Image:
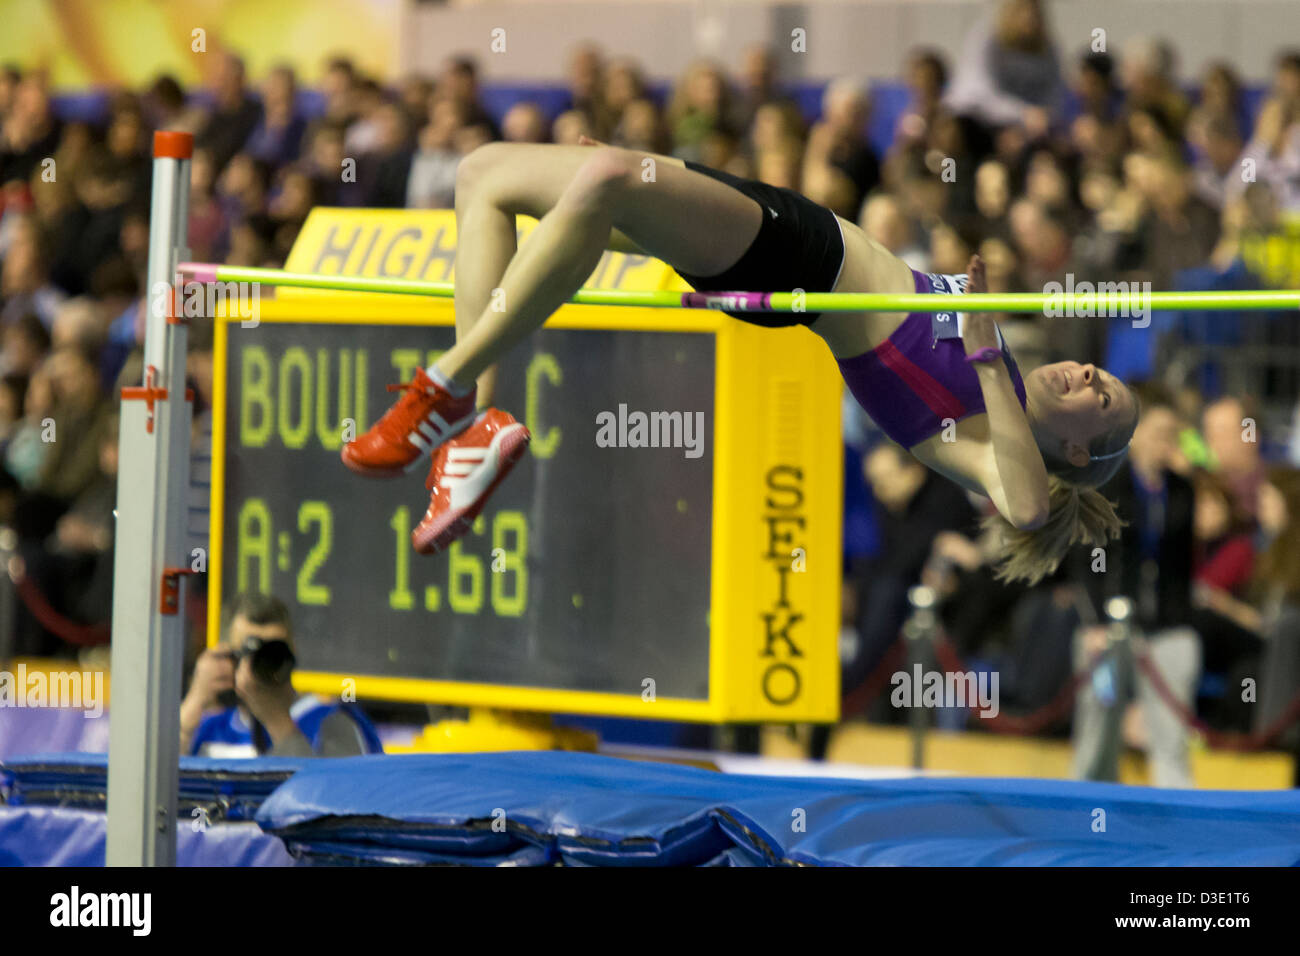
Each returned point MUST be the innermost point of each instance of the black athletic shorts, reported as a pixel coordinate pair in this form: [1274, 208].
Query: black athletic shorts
[799, 246]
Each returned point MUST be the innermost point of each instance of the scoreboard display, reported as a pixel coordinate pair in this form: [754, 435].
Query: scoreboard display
[668, 547]
[588, 570]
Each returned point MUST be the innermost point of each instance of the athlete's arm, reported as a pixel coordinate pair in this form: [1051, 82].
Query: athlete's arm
[1014, 478]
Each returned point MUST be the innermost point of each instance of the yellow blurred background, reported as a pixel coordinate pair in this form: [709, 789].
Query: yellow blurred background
[89, 43]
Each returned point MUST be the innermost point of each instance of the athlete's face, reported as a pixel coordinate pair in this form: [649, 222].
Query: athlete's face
[1076, 403]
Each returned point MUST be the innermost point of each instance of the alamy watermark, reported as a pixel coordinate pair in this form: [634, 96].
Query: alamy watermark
[1103, 300]
[636, 429]
[83, 690]
[193, 300]
[922, 688]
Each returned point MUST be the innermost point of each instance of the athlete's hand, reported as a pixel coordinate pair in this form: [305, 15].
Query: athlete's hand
[978, 328]
[585, 140]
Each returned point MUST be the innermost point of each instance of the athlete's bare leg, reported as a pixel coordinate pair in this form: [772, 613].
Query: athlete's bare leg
[583, 197]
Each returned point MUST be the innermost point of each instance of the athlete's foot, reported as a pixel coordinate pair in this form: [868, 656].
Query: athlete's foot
[464, 473]
[424, 417]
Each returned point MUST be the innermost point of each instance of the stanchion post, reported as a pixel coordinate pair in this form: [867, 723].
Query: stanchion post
[919, 632]
[149, 557]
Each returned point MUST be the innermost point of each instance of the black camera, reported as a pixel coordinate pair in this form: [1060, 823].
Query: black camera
[271, 661]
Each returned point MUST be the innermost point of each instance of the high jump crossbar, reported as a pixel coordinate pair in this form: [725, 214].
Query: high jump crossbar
[1110, 299]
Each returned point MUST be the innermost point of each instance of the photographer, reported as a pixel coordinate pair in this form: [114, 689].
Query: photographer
[248, 675]
[1151, 565]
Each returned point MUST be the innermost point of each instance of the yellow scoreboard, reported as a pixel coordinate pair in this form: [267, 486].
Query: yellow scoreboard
[668, 549]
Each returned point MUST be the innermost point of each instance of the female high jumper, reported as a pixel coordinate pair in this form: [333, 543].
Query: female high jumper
[945, 388]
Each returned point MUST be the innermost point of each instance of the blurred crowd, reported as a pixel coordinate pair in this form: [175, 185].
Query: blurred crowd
[1102, 165]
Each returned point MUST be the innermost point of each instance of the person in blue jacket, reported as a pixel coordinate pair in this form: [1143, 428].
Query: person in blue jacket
[241, 701]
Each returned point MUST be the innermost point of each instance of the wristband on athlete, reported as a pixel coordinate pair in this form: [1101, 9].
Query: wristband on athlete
[987, 354]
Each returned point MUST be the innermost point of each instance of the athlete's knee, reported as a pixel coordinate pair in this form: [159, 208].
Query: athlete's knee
[607, 173]
[477, 166]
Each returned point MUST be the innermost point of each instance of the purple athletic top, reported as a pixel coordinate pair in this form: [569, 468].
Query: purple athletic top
[919, 376]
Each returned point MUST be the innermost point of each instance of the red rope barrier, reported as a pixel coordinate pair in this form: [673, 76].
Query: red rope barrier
[82, 635]
[1225, 740]
[947, 657]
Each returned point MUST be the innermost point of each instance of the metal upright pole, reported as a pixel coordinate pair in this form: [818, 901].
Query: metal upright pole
[918, 633]
[149, 559]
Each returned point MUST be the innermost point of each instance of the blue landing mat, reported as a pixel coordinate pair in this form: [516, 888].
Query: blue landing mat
[582, 809]
[68, 836]
[227, 789]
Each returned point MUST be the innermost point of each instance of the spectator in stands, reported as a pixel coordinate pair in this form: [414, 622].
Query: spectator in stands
[588, 86]
[1224, 617]
[1273, 152]
[415, 96]
[1009, 74]
[624, 84]
[295, 197]
[949, 248]
[1217, 168]
[234, 114]
[432, 183]
[524, 123]
[641, 127]
[362, 133]
[459, 81]
[13, 390]
[1221, 96]
[29, 133]
[1230, 428]
[79, 576]
[79, 324]
[165, 107]
[700, 104]
[1278, 579]
[1225, 545]
[781, 166]
[82, 416]
[837, 144]
[1151, 566]
[1148, 71]
[208, 226]
[278, 137]
[927, 77]
[199, 375]
[993, 199]
[27, 449]
[259, 711]
[25, 286]
[776, 128]
[383, 171]
[128, 149]
[242, 189]
[1094, 87]
[571, 126]
[1177, 230]
[913, 506]
[1042, 243]
[10, 77]
[339, 86]
[883, 220]
[324, 162]
[757, 87]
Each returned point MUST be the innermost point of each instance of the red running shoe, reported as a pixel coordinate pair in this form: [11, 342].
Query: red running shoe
[464, 474]
[424, 417]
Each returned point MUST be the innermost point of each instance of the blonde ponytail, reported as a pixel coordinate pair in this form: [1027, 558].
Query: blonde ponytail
[1078, 515]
